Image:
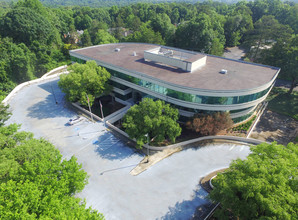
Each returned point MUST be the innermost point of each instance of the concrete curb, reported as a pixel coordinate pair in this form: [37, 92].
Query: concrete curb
[181, 144]
[152, 160]
[257, 120]
[45, 77]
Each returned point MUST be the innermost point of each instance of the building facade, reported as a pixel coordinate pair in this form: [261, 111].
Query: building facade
[192, 82]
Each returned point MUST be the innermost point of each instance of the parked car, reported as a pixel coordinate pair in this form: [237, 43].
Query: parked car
[75, 120]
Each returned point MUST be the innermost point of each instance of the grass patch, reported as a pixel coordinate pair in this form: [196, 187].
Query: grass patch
[244, 127]
[283, 103]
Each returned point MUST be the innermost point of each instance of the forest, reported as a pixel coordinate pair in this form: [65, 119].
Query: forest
[35, 38]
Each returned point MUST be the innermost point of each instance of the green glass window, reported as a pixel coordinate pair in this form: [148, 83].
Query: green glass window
[186, 96]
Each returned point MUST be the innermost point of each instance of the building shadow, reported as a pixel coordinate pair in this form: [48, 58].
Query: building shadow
[188, 208]
[161, 66]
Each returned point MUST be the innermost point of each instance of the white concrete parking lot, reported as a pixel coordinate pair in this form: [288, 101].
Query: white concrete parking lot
[168, 190]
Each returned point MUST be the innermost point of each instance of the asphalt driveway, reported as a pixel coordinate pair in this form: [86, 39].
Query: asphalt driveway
[168, 190]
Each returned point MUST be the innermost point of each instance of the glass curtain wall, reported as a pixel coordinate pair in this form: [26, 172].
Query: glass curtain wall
[186, 96]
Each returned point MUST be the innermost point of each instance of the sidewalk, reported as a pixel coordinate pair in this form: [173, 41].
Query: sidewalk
[153, 159]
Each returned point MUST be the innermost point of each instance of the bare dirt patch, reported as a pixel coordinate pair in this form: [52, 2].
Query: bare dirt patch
[276, 127]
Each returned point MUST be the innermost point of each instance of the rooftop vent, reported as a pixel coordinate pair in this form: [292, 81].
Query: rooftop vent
[223, 71]
[117, 49]
[134, 54]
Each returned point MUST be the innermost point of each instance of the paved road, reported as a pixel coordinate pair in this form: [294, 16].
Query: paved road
[168, 190]
[235, 53]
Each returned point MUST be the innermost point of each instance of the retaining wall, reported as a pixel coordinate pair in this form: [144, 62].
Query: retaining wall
[181, 144]
[45, 77]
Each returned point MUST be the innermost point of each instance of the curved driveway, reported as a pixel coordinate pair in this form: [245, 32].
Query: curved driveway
[168, 190]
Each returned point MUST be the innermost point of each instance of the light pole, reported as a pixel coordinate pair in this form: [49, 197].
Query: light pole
[103, 118]
[89, 108]
[147, 135]
[54, 94]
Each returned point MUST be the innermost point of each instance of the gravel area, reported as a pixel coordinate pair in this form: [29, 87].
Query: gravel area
[275, 127]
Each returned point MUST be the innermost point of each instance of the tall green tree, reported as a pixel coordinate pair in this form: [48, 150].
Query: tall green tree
[85, 80]
[35, 182]
[146, 35]
[24, 25]
[16, 61]
[86, 39]
[263, 186]
[104, 37]
[153, 118]
[83, 22]
[201, 34]
[284, 54]
[4, 113]
[266, 31]
[235, 27]
[162, 24]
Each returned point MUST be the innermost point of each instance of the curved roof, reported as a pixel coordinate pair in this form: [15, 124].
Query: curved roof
[240, 75]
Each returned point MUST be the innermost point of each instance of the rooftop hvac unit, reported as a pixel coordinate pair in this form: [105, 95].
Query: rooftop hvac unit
[223, 71]
[117, 49]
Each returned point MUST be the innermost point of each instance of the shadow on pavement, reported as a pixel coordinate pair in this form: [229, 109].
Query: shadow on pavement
[48, 109]
[50, 86]
[111, 148]
[120, 168]
[187, 208]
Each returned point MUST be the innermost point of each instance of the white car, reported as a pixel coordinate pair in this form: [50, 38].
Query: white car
[75, 120]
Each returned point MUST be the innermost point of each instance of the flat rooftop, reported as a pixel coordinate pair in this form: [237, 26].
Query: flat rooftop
[130, 56]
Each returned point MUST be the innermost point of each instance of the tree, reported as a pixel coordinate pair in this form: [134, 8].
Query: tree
[4, 114]
[153, 118]
[104, 37]
[86, 39]
[146, 35]
[162, 24]
[17, 61]
[267, 30]
[263, 186]
[35, 182]
[202, 34]
[85, 79]
[284, 54]
[95, 26]
[235, 27]
[83, 22]
[25, 25]
[133, 22]
[210, 124]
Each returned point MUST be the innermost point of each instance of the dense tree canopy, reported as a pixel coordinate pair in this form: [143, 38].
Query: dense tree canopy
[25, 25]
[153, 118]
[35, 182]
[104, 37]
[263, 186]
[209, 26]
[4, 114]
[284, 53]
[17, 61]
[267, 30]
[84, 80]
